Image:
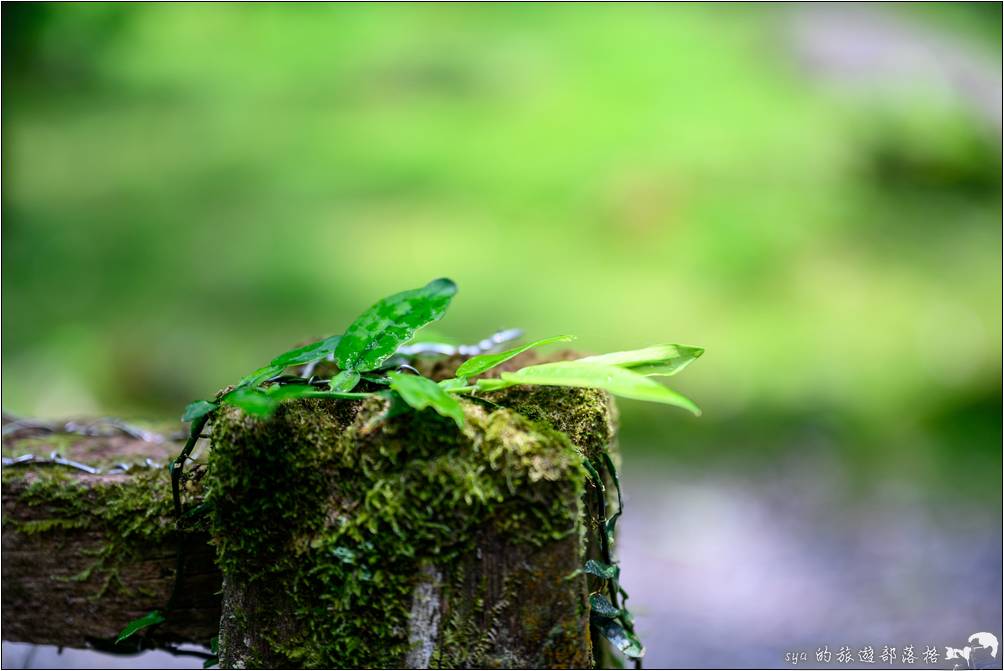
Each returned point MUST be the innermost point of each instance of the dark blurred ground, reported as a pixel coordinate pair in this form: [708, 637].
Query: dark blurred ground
[810, 192]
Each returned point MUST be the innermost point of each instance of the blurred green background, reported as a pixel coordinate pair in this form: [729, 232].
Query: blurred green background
[189, 189]
[811, 193]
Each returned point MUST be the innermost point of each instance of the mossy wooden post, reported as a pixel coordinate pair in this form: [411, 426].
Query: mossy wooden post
[351, 538]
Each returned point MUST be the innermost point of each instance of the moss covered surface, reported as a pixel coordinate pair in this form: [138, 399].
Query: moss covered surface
[330, 514]
[95, 551]
[130, 513]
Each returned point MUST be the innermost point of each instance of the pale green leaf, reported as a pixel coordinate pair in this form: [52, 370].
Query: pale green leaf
[452, 383]
[391, 322]
[654, 360]
[482, 362]
[493, 384]
[421, 392]
[618, 381]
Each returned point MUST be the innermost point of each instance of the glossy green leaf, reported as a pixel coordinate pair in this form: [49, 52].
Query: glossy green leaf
[210, 662]
[197, 409]
[312, 352]
[261, 375]
[421, 392]
[482, 362]
[344, 381]
[619, 637]
[618, 381]
[148, 620]
[600, 605]
[654, 360]
[601, 570]
[390, 323]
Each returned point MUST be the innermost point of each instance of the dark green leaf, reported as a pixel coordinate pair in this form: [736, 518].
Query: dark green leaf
[602, 606]
[214, 645]
[421, 392]
[395, 404]
[482, 362]
[593, 474]
[654, 360]
[391, 322]
[257, 377]
[210, 662]
[148, 620]
[198, 409]
[312, 352]
[618, 381]
[344, 381]
[619, 637]
[611, 524]
[263, 402]
[601, 570]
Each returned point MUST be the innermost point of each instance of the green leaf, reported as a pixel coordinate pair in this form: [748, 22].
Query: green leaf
[452, 383]
[482, 362]
[344, 381]
[618, 636]
[601, 570]
[611, 524]
[593, 474]
[421, 392]
[312, 352]
[210, 662]
[257, 377]
[493, 384]
[654, 360]
[252, 401]
[197, 409]
[148, 620]
[263, 402]
[391, 322]
[214, 645]
[618, 381]
[602, 606]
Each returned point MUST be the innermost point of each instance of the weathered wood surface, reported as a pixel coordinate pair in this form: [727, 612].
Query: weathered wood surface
[84, 554]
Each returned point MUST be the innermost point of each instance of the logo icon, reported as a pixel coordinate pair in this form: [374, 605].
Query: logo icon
[980, 654]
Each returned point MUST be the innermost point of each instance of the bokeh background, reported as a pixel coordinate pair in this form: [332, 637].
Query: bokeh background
[813, 193]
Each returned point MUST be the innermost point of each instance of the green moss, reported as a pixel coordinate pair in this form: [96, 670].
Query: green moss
[330, 509]
[130, 513]
[587, 416]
